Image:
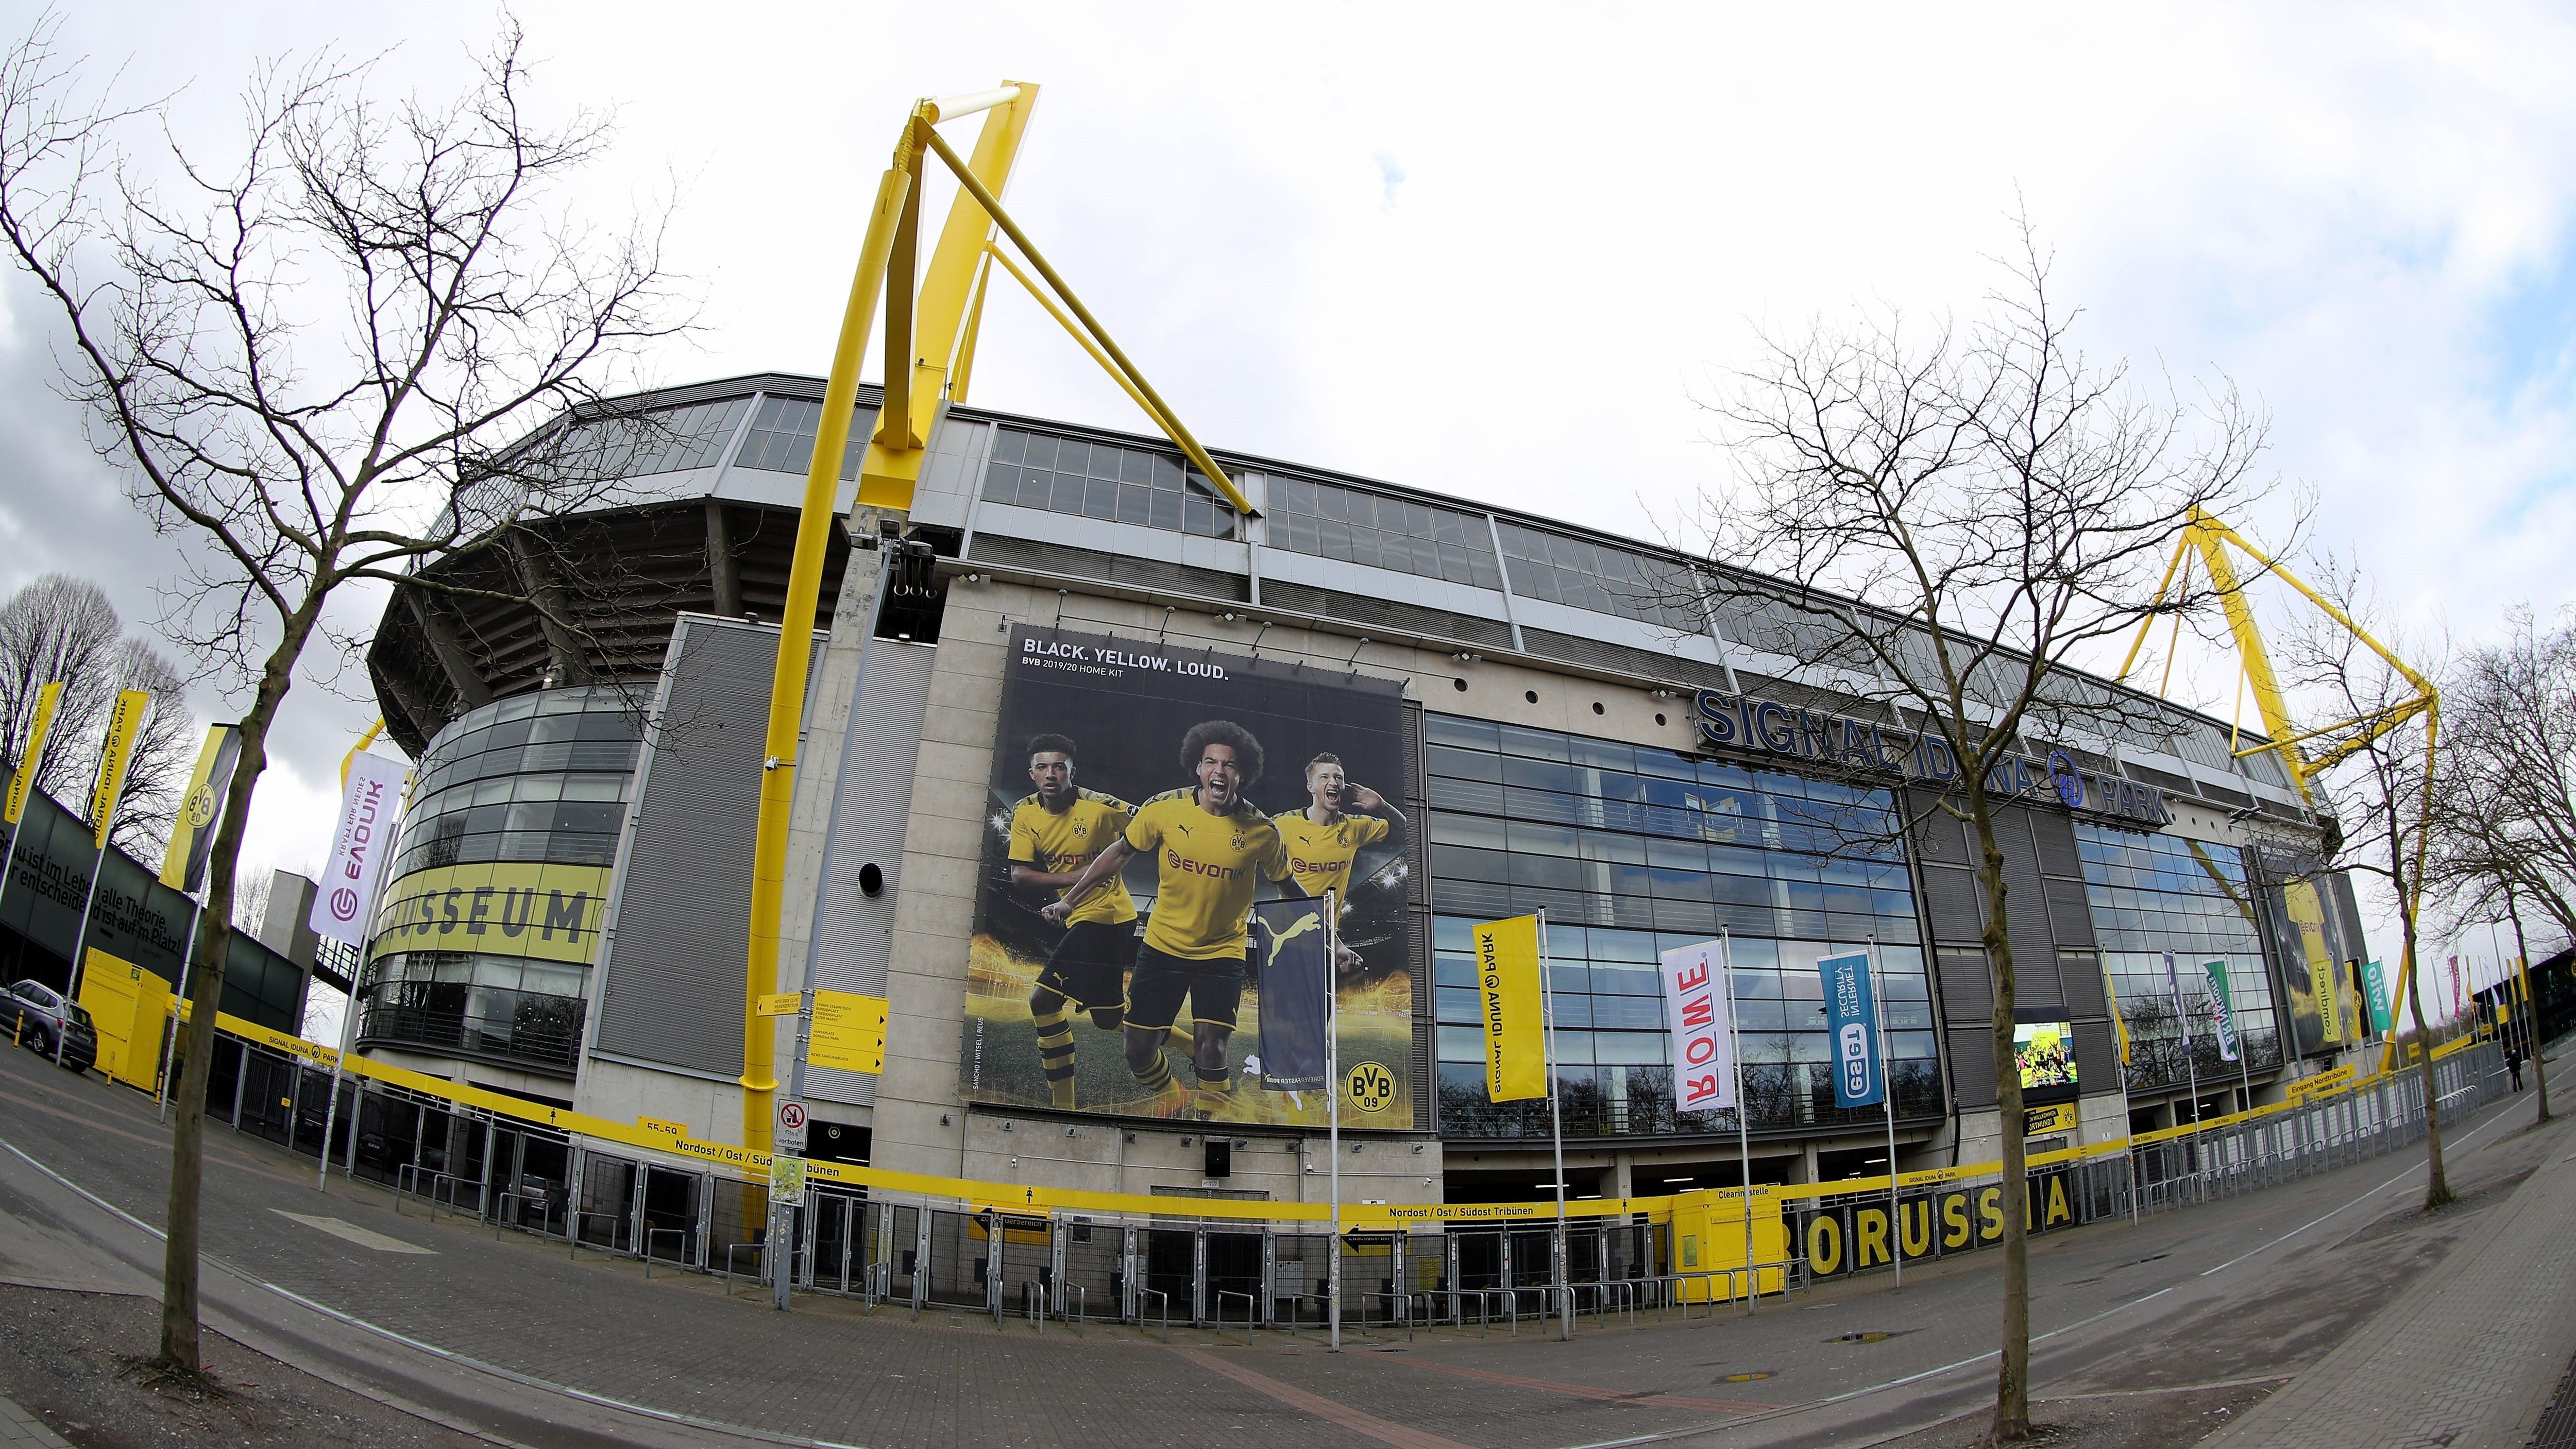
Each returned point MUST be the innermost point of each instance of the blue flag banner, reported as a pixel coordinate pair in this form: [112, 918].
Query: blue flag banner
[1851, 1022]
[1294, 981]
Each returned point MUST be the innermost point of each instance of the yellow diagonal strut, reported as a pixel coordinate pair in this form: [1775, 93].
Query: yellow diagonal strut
[2211, 539]
[931, 325]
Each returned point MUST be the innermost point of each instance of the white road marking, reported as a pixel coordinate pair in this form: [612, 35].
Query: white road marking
[350, 1232]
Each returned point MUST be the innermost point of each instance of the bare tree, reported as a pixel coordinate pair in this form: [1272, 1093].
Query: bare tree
[2382, 778]
[2004, 506]
[2508, 799]
[2504, 837]
[311, 359]
[62, 628]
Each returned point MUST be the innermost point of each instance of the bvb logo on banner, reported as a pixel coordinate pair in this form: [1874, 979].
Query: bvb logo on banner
[1371, 1086]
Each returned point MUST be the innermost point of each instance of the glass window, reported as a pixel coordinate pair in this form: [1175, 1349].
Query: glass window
[1103, 480]
[1329, 520]
[781, 439]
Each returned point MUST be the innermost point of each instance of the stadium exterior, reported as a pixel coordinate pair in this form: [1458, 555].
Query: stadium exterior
[566, 916]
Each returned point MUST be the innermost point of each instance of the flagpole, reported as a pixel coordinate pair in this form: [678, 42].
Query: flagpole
[1555, 1125]
[2244, 1067]
[1743, 1131]
[1333, 1108]
[2190, 1066]
[33, 767]
[349, 1019]
[2128, 1130]
[1887, 1098]
[170, 1048]
[80, 939]
[111, 775]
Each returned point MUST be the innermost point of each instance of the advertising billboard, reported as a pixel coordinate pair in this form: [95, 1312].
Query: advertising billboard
[2044, 1051]
[1144, 798]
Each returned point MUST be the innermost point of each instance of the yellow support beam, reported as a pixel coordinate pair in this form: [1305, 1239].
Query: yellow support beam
[929, 333]
[931, 324]
[1126, 369]
[814, 525]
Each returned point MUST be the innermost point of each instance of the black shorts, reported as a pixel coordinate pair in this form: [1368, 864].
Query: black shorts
[1089, 966]
[1213, 989]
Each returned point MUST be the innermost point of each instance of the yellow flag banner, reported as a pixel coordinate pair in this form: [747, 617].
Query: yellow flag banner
[2308, 914]
[34, 758]
[123, 728]
[192, 833]
[2119, 1023]
[1515, 1029]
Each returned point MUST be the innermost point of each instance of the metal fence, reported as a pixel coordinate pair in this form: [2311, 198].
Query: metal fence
[1075, 1269]
[1841, 1233]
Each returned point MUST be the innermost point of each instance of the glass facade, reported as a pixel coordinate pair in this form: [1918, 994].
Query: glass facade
[500, 879]
[1330, 521]
[1632, 851]
[539, 777]
[1103, 480]
[2156, 893]
[781, 439]
[1605, 580]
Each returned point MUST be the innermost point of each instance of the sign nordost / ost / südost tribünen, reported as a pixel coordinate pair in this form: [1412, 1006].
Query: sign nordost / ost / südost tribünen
[1761, 726]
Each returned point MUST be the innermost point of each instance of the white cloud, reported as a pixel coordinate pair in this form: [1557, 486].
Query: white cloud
[1497, 250]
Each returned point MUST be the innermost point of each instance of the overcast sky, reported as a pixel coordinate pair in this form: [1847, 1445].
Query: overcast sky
[1504, 251]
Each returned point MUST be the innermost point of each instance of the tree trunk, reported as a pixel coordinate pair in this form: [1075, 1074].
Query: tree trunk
[2012, 1377]
[2437, 1191]
[2530, 1008]
[179, 1348]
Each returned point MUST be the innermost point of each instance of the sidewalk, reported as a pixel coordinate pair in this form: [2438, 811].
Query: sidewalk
[22, 1430]
[2468, 1358]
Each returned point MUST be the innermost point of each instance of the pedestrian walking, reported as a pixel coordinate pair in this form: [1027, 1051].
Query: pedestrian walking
[2513, 1066]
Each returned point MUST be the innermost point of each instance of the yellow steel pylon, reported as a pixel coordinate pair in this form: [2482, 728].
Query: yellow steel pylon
[2205, 535]
[932, 317]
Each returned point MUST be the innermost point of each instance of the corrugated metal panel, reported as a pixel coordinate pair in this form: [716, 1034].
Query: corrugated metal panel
[1417, 854]
[1153, 575]
[1936, 834]
[671, 979]
[1951, 903]
[874, 809]
[2026, 917]
[2081, 971]
[2097, 1055]
[2069, 912]
[1620, 659]
[1968, 1008]
[1385, 614]
[2055, 835]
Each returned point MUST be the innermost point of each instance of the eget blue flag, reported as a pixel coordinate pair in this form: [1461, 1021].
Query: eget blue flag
[1851, 1023]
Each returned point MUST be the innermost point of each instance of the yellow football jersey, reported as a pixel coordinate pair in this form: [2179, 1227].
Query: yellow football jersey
[1058, 844]
[1319, 856]
[1208, 867]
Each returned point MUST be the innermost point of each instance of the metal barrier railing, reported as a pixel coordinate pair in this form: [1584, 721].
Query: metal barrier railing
[474, 1158]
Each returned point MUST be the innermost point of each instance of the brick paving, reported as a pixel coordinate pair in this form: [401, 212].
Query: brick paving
[2468, 1358]
[837, 1373]
[22, 1430]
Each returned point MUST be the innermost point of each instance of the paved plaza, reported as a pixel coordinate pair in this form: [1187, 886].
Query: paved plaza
[2388, 1329]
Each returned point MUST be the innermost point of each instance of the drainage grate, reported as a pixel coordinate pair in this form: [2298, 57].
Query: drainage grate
[1748, 1378]
[2558, 1422]
[1872, 1336]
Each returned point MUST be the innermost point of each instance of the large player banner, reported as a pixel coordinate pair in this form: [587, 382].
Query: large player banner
[1145, 797]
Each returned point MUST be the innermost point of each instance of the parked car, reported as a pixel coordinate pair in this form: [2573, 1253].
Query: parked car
[37, 1015]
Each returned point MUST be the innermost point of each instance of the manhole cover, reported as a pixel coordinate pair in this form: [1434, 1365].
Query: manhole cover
[1748, 1378]
[1872, 1336]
